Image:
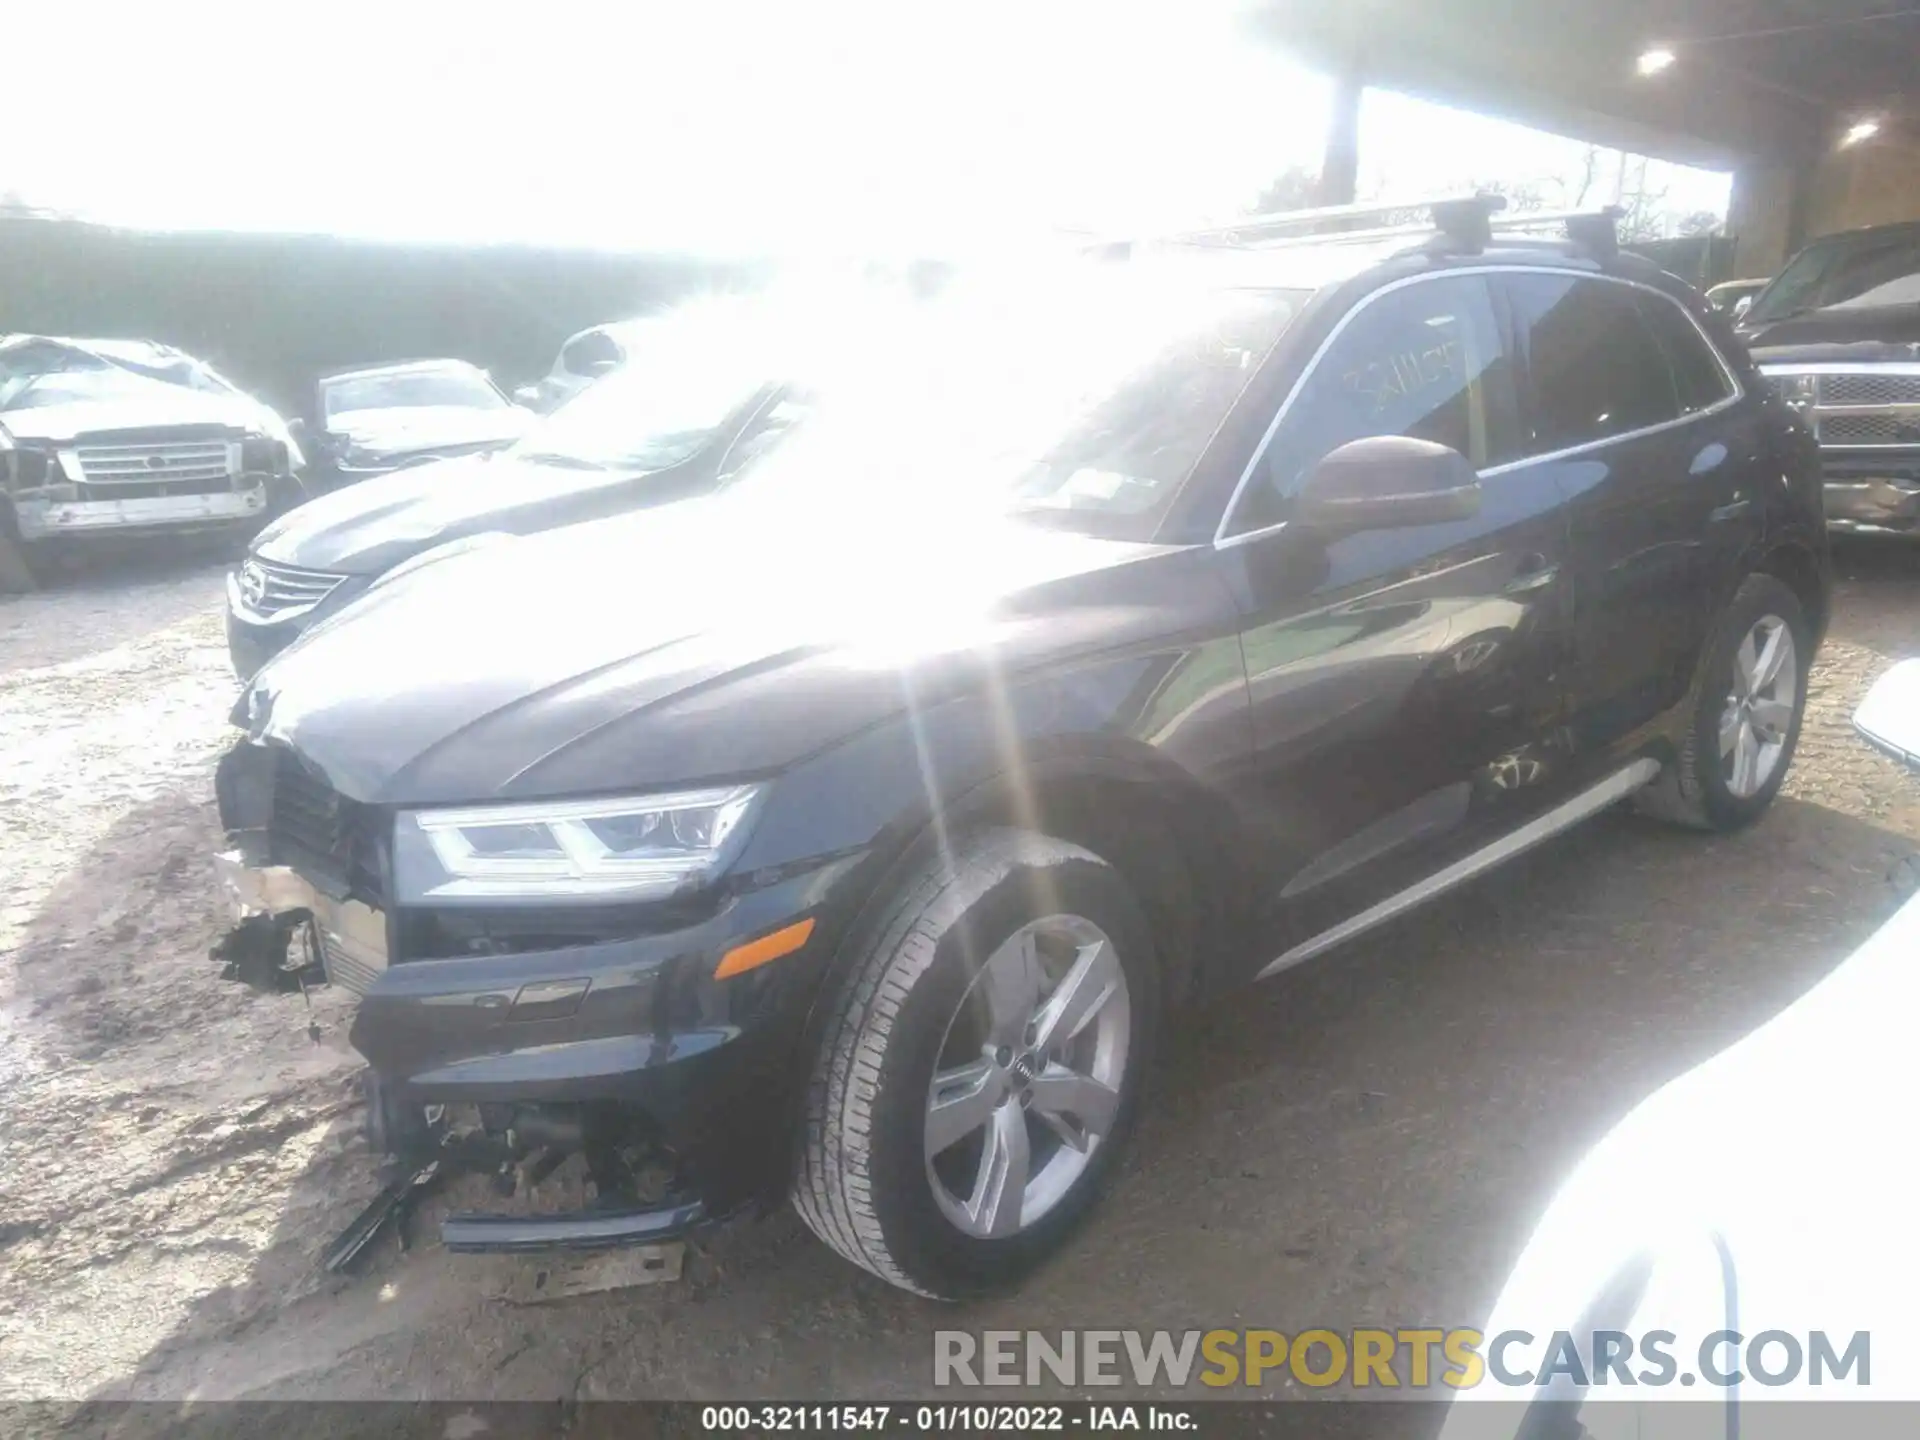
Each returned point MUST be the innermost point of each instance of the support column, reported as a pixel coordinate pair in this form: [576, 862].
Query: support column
[1340, 170]
[1767, 214]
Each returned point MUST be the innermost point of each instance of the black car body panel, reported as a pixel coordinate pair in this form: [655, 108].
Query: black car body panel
[1270, 726]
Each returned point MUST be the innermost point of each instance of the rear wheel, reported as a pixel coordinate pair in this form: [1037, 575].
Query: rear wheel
[979, 1077]
[1746, 721]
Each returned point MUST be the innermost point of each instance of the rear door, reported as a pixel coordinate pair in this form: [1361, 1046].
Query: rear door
[1402, 683]
[1632, 413]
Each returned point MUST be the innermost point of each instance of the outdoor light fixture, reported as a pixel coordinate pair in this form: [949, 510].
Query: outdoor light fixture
[1653, 61]
[1863, 130]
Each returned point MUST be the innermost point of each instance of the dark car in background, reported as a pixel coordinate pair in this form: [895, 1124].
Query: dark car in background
[383, 418]
[1123, 638]
[645, 437]
[129, 438]
[1838, 333]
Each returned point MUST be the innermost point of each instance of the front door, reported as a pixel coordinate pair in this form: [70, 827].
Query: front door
[1403, 683]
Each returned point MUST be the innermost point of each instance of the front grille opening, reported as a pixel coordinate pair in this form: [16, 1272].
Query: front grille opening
[451, 933]
[1867, 389]
[1870, 428]
[126, 465]
[286, 587]
[315, 829]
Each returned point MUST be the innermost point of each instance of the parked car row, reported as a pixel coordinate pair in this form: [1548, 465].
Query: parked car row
[133, 438]
[847, 831]
[668, 427]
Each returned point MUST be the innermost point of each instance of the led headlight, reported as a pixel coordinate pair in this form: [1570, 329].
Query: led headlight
[583, 850]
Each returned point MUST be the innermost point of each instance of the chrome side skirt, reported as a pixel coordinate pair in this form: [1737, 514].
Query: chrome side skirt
[1565, 816]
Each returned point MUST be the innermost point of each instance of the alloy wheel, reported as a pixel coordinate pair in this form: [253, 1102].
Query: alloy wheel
[1029, 1077]
[1757, 720]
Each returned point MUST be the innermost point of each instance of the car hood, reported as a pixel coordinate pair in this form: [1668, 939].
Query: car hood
[682, 644]
[1771, 1186]
[164, 405]
[428, 427]
[1838, 334]
[369, 527]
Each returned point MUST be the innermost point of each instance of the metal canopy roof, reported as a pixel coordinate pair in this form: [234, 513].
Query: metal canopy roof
[1752, 79]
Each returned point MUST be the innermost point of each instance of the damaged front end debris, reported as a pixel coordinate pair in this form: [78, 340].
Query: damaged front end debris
[279, 945]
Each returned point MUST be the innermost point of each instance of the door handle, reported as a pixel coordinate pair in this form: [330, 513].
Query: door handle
[1731, 511]
[1536, 573]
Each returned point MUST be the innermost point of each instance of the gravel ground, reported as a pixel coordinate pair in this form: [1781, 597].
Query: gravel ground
[1362, 1141]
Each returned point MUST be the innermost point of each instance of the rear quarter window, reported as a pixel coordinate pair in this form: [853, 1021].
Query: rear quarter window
[1700, 380]
[1595, 366]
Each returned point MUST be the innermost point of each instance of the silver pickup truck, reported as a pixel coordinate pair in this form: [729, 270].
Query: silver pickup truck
[102, 437]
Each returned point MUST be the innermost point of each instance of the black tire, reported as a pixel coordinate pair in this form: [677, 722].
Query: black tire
[1694, 790]
[863, 1184]
[17, 575]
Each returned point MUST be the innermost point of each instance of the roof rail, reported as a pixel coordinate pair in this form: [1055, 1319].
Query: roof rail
[1464, 222]
[1253, 227]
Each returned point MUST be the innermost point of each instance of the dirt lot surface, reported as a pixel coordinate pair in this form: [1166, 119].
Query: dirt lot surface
[1366, 1140]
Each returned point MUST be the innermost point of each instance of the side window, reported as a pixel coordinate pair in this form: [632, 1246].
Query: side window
[1425, 360]
[1698, 375]
[1597, 370]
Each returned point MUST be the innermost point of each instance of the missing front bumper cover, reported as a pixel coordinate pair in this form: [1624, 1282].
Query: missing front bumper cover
[270, 953]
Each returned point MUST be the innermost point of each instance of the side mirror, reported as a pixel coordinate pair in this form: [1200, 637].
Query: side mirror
[1889, 718]
[1742, 306]
[527, 395]
[1388, 482]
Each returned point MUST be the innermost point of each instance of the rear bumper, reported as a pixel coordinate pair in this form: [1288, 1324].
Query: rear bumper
[1874, 495]
[45, 519]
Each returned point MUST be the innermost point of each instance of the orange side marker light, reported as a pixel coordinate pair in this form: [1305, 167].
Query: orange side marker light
[755, 953]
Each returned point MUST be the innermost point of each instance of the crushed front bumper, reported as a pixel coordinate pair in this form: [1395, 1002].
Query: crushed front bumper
[45, 519]
[709, 1072]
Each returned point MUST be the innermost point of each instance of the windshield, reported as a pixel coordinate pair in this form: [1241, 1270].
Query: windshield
[409, 389]
[651, 414]
[1086, 398]
[1852, 271]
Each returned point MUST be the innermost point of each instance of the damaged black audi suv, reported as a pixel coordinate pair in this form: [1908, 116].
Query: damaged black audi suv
[1096, 645]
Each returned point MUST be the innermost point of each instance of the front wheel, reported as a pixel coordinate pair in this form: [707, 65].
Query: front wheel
[1747, 712]
[977, 1080]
